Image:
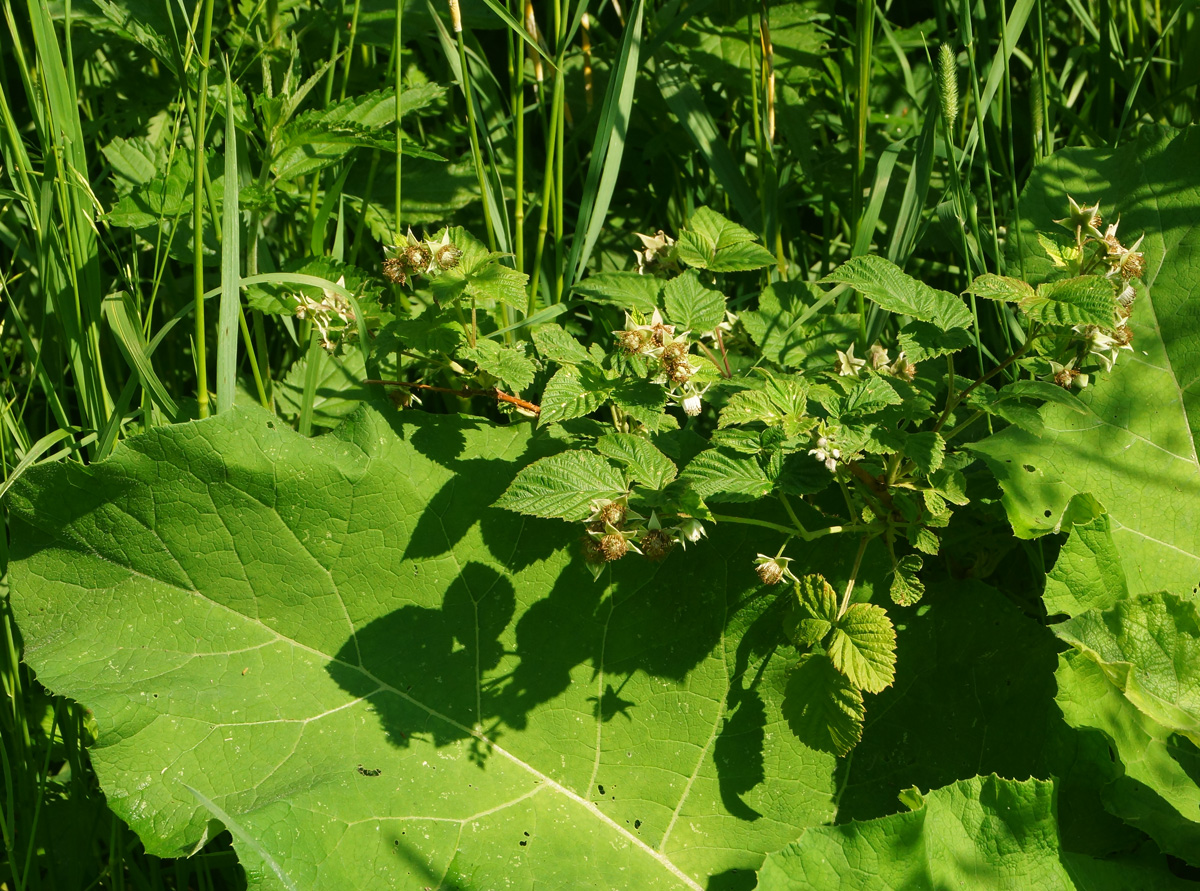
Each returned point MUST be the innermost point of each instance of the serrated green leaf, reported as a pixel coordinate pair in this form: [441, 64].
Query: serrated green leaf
[1084, 300]
[1088, 573]
[886, 284]
[907, 587]
[822, 707]
[921, 341]
[863, 647]
[926, 449]
[693, 305]
[646, 464]
[869, 396]
[434, 331]
[924, 540]
[340, 389]
[1001, 287]
[316, 139]
[814, 612]
[713, 242]
[573, 393]
[645, 402]
[507, 362]
[556, 345]
[780, 401]
[563, 486]
[627, 290]
[722, 474]
[479, 274]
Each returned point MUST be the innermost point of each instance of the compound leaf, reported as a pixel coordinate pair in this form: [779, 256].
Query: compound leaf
[863, 647]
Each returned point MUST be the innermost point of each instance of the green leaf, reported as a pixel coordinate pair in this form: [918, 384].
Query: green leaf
[921, 341]
[479, 274]
[985, 832]
[258, 615]
[863, 647]
[339, 391]
[1149, 647]
[644, 402]
[781, 402]
[1085, 300]
[573, 393]
[926, 449]
[1001, 287]
[563, 486]
[822, 707]
[869, 396]
[556, 345]
[434, 331]
[1088, 573]
[627, 290]
[1044, 391]
[1154, 787]
[507, 362]
[316, 139]
[646, 464]
[1135, 449]
[712, 242]
[814, 613]
[693, 305]
[907, 587]
[887, 285]
[722, 474]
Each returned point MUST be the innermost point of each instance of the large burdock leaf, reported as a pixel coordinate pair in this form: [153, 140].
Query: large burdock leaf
[984, 832]
[1135, 448]
[386, 683]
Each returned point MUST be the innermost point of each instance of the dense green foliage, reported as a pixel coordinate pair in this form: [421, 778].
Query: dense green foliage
[648, 445]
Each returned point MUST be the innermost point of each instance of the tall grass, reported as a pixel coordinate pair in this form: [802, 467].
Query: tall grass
[570, 125]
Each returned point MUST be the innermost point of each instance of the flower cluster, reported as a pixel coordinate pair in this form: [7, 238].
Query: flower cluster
[658, 341]
[826, 452]
[849, 365]
[613, 530]
[331, 315]
[419, 258]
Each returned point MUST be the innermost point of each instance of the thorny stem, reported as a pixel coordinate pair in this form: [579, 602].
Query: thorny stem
[862, 547]
[464, 392]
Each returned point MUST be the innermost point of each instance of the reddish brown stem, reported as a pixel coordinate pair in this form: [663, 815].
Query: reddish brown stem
[464, 392]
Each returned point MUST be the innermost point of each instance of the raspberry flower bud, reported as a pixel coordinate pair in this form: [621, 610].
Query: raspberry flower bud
[691, 531]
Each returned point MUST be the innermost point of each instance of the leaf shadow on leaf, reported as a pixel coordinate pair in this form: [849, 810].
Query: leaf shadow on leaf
[974, 694]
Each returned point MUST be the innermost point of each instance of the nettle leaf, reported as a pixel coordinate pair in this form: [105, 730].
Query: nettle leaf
[1084, 300]
[563, 486]
[712, 242]
[627, 290]
[1149, 647]
[573, 393]
[723, 474]
[554, 344]
[378, 677]
[646, 464]
[1001, 287]
[316, 139]
[984, 832]
[1135, 448]
[822, 707]
[691, 304]
[1088, 573]
[885, 284]
[507, 362]
[907, 587]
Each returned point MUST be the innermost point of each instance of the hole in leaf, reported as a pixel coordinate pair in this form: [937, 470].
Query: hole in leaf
[1029, 467]
[1047, 513]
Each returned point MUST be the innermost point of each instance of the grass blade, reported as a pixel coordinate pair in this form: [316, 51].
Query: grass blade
[120, 320]
[227, 320]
